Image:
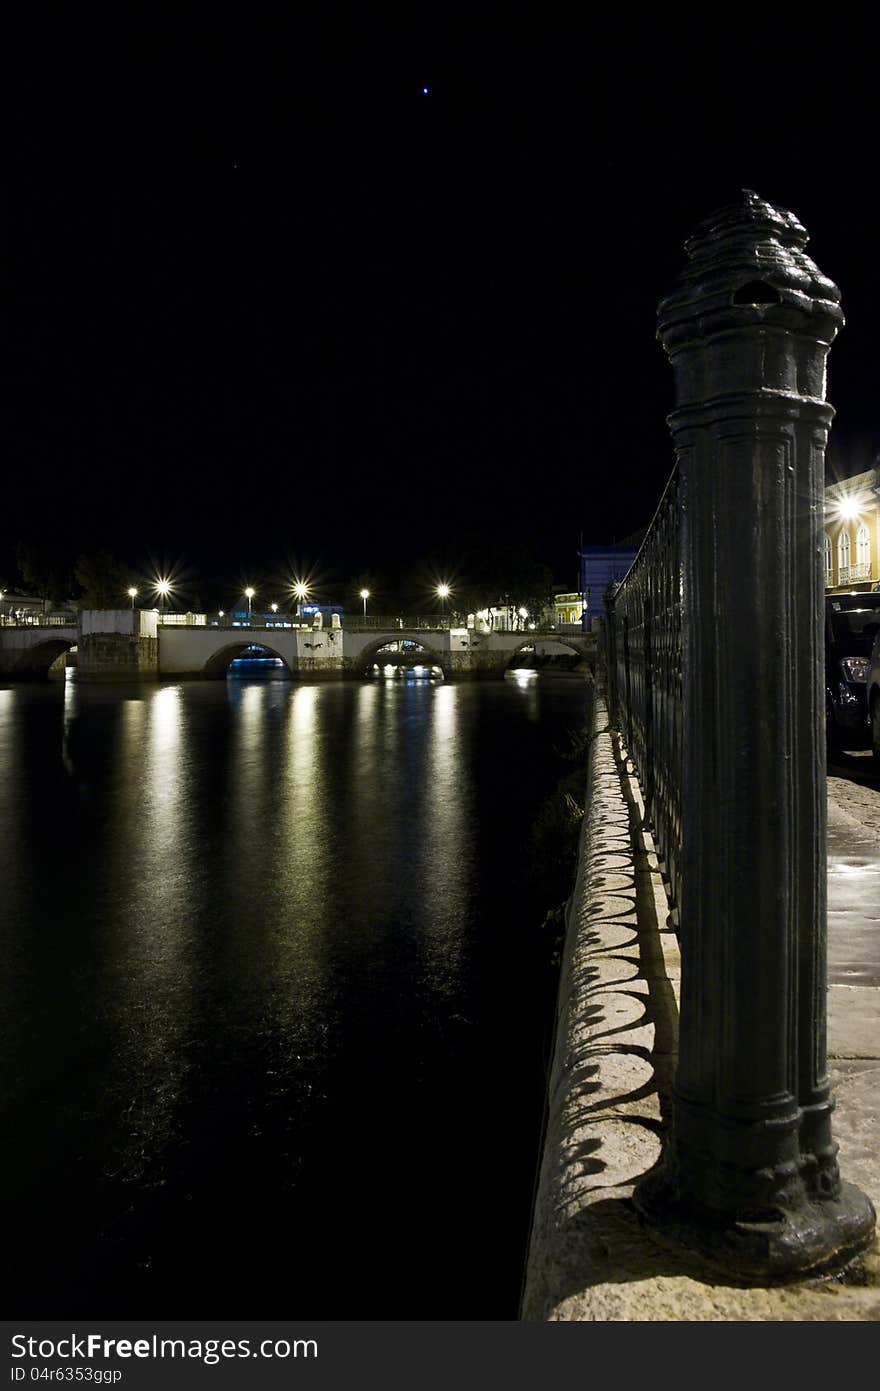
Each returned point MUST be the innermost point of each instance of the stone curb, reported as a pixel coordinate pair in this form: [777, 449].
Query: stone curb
[589, 1258]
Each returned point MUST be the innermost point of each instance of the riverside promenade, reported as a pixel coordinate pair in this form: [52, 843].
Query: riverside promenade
[590, 1258]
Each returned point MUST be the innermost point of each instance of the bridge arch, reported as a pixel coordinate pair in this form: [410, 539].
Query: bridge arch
[579, 647]
[217, 665]
[32, 663]
[370, 653]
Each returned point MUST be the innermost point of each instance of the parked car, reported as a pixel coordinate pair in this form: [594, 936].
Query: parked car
[852, 622]
[872, 695]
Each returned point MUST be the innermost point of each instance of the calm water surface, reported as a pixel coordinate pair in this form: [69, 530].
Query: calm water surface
[275, 1002]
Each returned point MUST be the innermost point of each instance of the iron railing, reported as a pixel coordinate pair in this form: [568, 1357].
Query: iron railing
[848, 574]
[643, 637]
[39, 620]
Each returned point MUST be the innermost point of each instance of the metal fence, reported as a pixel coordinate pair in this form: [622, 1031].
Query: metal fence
[714, 677]
[435, 621]
[643, 655]
[39, 620]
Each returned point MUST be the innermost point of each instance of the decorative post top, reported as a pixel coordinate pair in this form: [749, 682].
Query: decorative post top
[748, 276]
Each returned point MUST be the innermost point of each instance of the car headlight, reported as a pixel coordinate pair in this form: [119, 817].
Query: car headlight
[855, 668]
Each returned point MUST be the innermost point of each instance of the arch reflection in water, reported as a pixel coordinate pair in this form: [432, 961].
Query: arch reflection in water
[257, 663]
[404, 658]
[528, 682]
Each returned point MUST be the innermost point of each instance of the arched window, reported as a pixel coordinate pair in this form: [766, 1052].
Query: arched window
[842, 555]
[863, 547]
[828, 573]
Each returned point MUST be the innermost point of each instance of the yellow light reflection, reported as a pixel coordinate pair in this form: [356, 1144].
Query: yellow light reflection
[296, 1005]
[69, 710]
[305, 810]
[155, 876]
[447, 793]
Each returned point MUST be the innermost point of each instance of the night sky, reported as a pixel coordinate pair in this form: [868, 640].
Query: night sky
[275, 309]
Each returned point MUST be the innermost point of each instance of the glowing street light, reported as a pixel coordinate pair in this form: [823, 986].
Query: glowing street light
[848, 508]
[365, 594]
[163, 589]
[249, 594]
[274, 608]
[443, 594]
[301, 590]
[132, 594]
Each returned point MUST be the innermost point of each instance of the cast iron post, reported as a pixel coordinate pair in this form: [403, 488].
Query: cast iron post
[750, 1175]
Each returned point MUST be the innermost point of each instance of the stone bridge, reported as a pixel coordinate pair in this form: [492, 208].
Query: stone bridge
[456, 651]
[125, 644]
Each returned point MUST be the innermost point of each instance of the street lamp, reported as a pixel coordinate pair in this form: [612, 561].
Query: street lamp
[132, 594]
[163, 589]
[849, 507]
[274, 608]
[249, 594]
[442, 595]
[365, 594]
[301, 590]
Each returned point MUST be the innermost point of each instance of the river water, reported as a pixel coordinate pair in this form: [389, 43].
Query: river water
[275, 1000]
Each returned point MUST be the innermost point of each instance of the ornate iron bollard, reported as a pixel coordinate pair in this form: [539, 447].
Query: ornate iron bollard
[715, 668]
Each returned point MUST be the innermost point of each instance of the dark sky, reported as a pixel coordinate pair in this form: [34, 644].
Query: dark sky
[272, 305]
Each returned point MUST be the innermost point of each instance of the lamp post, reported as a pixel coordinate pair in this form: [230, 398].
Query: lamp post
[249, 594]
[365, 594]
[442, 595]
[301, 590]
[162, 589]
[132, 594]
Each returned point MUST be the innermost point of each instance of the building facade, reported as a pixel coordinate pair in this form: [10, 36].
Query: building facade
[568, 608]
[600, 566]
[852, 533]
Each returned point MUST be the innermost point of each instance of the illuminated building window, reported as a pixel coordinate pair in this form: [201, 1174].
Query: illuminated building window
[843, 551]
[863, 546]
[828, 574]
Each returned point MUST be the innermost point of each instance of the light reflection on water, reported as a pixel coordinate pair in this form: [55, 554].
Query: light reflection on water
[249, 932]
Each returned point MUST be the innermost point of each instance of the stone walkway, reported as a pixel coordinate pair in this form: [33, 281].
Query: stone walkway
[590, 1259]
[854, 966]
